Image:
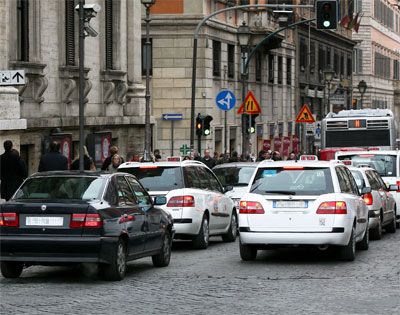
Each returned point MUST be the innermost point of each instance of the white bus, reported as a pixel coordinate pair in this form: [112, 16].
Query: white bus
[362, 128]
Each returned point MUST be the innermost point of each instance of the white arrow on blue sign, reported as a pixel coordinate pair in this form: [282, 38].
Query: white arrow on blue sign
[225, 100]
[172, 116]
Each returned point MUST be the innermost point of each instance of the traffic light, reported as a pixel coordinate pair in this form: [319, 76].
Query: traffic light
[253, 123]
[206, 125]
[249, 123]
[199, 125]
[327, 13]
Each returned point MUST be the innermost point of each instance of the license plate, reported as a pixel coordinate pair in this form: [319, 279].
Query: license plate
[44, 221]
[290, 204]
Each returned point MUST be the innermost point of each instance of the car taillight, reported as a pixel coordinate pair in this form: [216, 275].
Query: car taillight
[368, 199]
[9, 219]
[251, 207]
[79, 220]
[398, 186]
[332, 207]
[181, 201]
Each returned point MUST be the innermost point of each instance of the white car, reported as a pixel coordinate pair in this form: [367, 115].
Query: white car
[194, 197]
[379, 201]
[303, 203]
[386, 163]
[236, 175]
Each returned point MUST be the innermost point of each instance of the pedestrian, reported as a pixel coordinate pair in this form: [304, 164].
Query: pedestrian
[208, 160]
[261, 155]
[196, 156]
[115, 163]
[276, 156]
[113, 150]
[53, 160]
[12, 170]
[234, 157]
[292, 156]
[186, 158]
[157, 155]
[88, 164]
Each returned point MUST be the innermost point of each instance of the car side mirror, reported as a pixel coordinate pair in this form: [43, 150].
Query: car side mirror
[227, 188]
[394, 187]
[159, 201]
[365, 190]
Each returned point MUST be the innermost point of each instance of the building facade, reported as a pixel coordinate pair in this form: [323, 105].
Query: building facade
[377, 55]
[41, 37]
[271, 75]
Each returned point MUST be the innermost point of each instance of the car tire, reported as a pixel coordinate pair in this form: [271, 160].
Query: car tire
[201, 240]
[116, 270]
[11, 269]
[163, 258]
[231, 235]
[247, 252]
[391, 227]
[348, 252]
[364, 243]
[376, 233]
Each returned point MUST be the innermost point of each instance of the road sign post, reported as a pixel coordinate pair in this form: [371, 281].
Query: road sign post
[172, 118]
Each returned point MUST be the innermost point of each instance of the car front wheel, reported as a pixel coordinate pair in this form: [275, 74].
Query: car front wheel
[11, 269]
[162, 259]
[116, 270]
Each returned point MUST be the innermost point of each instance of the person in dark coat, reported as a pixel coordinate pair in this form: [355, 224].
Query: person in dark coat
[208, 160]
[54, 160]
[234, 157]
[12, 171]
[88, 164]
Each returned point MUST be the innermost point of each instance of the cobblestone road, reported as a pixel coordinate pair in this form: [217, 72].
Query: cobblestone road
[216, 281]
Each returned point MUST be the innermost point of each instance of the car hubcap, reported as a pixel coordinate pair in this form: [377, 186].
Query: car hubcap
[353, 241]
[167, 247]
[121, 259]
[205, 230]
[234, 225]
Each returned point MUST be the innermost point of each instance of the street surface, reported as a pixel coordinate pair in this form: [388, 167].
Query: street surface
[216, 281]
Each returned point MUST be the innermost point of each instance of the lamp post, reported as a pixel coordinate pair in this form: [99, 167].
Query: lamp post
[328, 77]
[243, 35]
[147, 130]
[362, 87]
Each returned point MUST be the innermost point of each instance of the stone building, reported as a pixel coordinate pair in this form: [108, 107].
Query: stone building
[41, 37]
[271, 75]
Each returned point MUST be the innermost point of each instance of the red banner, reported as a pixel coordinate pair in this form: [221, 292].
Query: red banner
[286, 144]
[295, 144]
[277, 144]
[267, 145]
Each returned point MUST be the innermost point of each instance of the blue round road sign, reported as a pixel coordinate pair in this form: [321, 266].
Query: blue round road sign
[225, 100]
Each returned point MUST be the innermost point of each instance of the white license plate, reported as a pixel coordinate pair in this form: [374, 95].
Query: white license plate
[290, 204]
[44, 221]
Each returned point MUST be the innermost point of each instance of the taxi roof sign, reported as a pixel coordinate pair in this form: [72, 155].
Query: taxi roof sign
[308, 157]
[305, 115]
[250, 105]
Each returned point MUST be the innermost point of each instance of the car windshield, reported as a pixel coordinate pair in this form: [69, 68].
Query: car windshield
[156, 178]
[234, 176]
[384, 164]
[290, 181]
[61, 188]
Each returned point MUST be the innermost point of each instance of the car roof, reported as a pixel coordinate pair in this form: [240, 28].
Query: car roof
[362, 168]
[304, 163]
[74, 173]
[236, 164]
[386, 152]
[160, 164]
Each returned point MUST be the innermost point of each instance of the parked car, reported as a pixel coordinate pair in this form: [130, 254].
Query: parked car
[379, 201]
[236, 175]
[386, 163]
[71, 217]
[194, 197]
[303, 203]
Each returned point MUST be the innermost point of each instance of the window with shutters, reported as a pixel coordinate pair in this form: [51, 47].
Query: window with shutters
[258, 66]
[109, 34]
[289, 71]
[280, 70]
[357, 62]
[312, 57]
[23, 29]
[216, 58]
[396, 69]
[231, 61]
[271, 68]
[147, 55]
[321, 54]
[341, 65]
[70, 59]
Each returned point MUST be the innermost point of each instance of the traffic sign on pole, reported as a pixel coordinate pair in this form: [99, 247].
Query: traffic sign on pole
[305, 115]
[225, 100]
[12, 77]
[172, 116]
[250, 105]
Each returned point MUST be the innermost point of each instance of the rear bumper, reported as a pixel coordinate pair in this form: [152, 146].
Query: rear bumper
[336, 237]
[373, 218]
[36, 249]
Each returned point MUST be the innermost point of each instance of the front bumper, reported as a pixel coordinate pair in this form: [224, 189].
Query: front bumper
[373, 220]
[64, 249]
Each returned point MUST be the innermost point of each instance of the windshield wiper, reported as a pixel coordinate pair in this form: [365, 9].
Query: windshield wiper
[280, 192]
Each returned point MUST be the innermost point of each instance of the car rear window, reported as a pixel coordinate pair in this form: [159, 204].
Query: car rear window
[384, 164]
[61, 188]
[158, 178]
[292, 181]
[234, 176]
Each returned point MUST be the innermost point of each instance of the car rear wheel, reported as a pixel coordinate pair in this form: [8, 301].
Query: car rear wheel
[348, 252]
[376, 233]
[247, 252]
[230, 236]
[11, 269]
[391, 228]
[162, 259]
[116, 270]
[364, 243]
[201, 240]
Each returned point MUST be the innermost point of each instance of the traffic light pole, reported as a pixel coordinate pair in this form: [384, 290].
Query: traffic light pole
[199, 144]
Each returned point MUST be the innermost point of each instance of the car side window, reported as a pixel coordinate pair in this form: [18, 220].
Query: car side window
[141, 194]
[353, 184]
[343, 183]
[372, 180]
[214, 183]
[125, 195]
[191, 177]
[111, 193]
[379, 180]
[204, 178]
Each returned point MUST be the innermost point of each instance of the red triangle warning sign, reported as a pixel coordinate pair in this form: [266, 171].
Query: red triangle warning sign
[305, 115]
[250, 105]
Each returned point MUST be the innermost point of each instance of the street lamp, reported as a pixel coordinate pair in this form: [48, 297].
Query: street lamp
[147, 130]
[328, 77]
[362, 87]
[243, 35]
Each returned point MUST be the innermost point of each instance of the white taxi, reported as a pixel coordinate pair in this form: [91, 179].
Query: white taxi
[303, 203]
